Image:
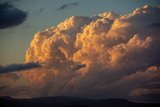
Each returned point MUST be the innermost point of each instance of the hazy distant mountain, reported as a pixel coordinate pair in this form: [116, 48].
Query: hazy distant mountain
[70, 102]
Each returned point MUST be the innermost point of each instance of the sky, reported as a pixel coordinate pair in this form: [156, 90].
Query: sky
[83, 48]
[41, 14]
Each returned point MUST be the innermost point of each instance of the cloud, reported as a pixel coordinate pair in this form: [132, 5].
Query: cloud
[64, 6]
[150, 94]
[10, 15]
[20, 91]
[7, 80]
[11, 76]
[146, 92]
[155, 24]
[17, 67]
[3, 87]
[108, 55]
[41, 9]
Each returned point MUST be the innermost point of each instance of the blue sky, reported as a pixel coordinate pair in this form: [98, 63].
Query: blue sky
[42, 14]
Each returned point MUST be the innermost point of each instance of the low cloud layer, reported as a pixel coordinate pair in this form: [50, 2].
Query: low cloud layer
[108, 55]
[64, 6]
[18, 67]
[10, 15]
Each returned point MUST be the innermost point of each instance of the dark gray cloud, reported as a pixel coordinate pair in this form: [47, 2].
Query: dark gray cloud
[40, 10]
[10, 15]
[77, 67]
[155, 24]
[18, 67]
[11, 1]
[64, 6]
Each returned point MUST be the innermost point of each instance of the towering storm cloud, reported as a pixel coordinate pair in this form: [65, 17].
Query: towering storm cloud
[108, 55]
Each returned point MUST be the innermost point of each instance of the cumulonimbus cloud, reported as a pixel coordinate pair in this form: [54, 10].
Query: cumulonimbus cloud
[108, 55]
[10, 15]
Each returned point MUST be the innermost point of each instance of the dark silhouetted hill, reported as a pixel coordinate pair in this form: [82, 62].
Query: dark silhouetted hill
[70, 102]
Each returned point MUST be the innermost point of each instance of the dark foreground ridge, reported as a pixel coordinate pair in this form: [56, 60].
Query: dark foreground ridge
[70, 102]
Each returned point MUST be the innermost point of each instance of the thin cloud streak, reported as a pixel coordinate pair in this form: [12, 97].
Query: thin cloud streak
[18, 67]
[64, 6]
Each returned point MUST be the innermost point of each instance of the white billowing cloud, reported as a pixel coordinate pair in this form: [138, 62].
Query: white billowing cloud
[108, 55]
[55, 46]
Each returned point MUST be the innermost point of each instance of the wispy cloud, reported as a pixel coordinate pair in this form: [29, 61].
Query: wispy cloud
[41, 9]
[64, 6]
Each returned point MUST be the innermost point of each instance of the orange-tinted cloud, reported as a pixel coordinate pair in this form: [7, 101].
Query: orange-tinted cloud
[107, 55]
